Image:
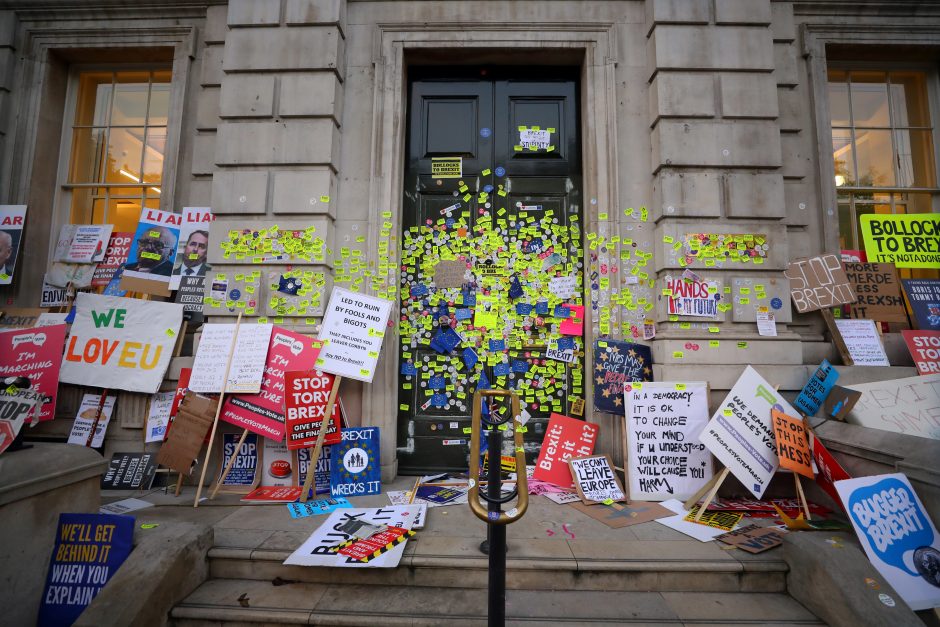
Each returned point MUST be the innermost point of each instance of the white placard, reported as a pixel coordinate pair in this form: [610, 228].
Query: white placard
[563, 286]
[124, 506]
[532, 139]
[120, 343]
[864, 344]
[193, 245]
[897, 534]
[766, 324]
[82, 243]
[159, 416]
[595, 480]
[353, 329]
[702, 533]
[908, 406]
[741, 433]
[52, 295]
[663, 423]
[12, 221]
[313, 552]
[251, 353]
[86, 418]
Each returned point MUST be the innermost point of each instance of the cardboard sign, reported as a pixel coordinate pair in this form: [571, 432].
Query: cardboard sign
[192, 247]
[88, 550]
[449, 273]
[120, 343]
[263, 413]
[115, 255]
[924, 298]
[595, 480]
[816, 389]
[130, 471]
[792, 444]
[152, 254]
[819, 283]
[615, 364]
[12, 221]
[193, 421]
[245, 467]
[621, 515]
[741, 434]
[909, 406]
[863, 341]
[692, 298]
[840, 402]
[37, 355]
[753, 539]
[664, 456]
[897, 534]
[87, 411]
[925, 349]
[877, 292]
[305, 401]
[16, 408]
[19, 318]
[158, 418]
[564, 438]
[82, 243]
[830, 471]
[248, 362]
[906, 240]
[353, 329]
[355, 465]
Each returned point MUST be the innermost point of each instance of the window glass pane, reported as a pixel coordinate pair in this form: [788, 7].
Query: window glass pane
[94, 99]
[130, 99]
[838, 98]
[159, 104]
[81, 210]
[916, 203]
[874, 154]
[846, 232]
[869, 99]
[915, 158]
[87, 155]
[843, 157]
[153, 154]
[125, 149]
[124, 212]
[909, 99]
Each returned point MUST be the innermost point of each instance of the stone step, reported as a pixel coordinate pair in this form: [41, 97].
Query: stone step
[217, 603]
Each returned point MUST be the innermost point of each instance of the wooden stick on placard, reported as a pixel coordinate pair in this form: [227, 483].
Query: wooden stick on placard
[837, 337]
[231, 462]
[98, 410]
[626, 457]
[801, 495]
[315, 455]
[695, 498]
[218, 409]
[711, 495]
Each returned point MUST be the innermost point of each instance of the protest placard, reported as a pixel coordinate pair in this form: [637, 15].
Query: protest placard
[897, 534]
[192, 248]
[829, 470]
[52, 296]
[90, 411]
[82, 243]
[924, 298]
[595, 480]
[840, 402]
[129, 471]
[120, 343]
[819, 283]
[187, 432]
[621, 515]
[321, 478]
[88, 549]
[19, 318]
[816, 390]
[342, 525]
[17, 407]
[353, 329]
[153, 251]
[909, 406]
[115, 255]
[681, 521]
[863, 341]
[244, 470]
[37, 355]
[907, 240]
[158, 418]
[925, 349]
[277, 464]
[564, 438]
[272, 494]
[687, 297]
[12, 221]
[248, 361]
[792, 444]
[616, 363]
[725, 521]
[449, 273]
[305, 401]
[740, 433]
[753, 539]
[664, 456]
[877, 292]
[263, 413]
[317, 507]
[355, 465]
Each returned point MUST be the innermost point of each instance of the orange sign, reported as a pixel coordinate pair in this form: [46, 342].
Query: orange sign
[792, 444]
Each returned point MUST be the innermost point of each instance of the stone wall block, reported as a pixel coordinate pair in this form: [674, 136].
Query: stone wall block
[792, 109]
[308, 191]
[742, 12]
[754, 195]
[7, 67]
[207, 109]
[800, 202]
[316, 12]
[782, 21]
[311, 95]
[677, 194]
[682, 94]
[239, 192]
[211, 75]
[748, 95]
[276, 49]
[216, 24]
[676, 12]
[738, 143]
[247, 95]
[785, 65]
[204, 153]
[254, 12]
[711, 48]
[311, 142]
[797, 162]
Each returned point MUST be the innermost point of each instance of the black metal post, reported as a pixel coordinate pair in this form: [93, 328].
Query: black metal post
[496, 533]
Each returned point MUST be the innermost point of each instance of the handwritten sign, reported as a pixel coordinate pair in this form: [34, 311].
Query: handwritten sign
[37, 355]
[910, 406]
[877, 292]
[692, 297]
[353, 329]
[248, 362]
[617, 363]
[792, 444]
[663, 423]
[924, 298]
[753, 539]
[449, 273]
[120, 343]
[158, 418]
[740, 433]
[816, 389]
[925, 349]
[564, 438]
[863, 341]
[819, 283]
[595, 480]
[906, 240]
[307, 396]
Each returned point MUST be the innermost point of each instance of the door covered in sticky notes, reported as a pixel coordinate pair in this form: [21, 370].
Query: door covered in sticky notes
[491, 274]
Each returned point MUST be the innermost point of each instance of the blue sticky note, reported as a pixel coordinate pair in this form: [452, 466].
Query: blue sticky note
[470, 358]
[566, 342]
[501, 370]
[408, 369]
[483, 383]
[439, 399]
[523, 309]
[520, 365]
[562, 312]
[436, 382]
[541, 307]
[355, 468]
[469, 299]
[463, 313]
[497, 345]
[419, 290]
[445, 340]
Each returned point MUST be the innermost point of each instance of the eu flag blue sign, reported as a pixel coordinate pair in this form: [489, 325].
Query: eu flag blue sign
[89, 548]
[354, 463]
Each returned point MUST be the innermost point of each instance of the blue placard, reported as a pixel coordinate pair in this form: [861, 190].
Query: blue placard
[817, 389]
[317, 507]
[321, 476]
[89, 548]
[616, 363]
[924, 297]
[246, 461]
[355, 469]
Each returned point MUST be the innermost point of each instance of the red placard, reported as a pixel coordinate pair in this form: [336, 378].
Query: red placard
[181, 387]
[830, 471]
[925, 349]
[35, 354]
[565, 438]
[305, 401]
[115, 254]
[273, 494]
[263, 413]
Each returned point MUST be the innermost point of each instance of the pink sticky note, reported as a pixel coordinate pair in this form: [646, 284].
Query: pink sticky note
[573, 324]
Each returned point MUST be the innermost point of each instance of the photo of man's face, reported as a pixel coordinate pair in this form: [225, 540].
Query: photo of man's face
[6, 247]
[154, 246]
[196, 248]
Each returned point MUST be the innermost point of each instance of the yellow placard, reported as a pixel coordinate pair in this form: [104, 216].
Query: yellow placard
[447, 167]
[906, 240]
